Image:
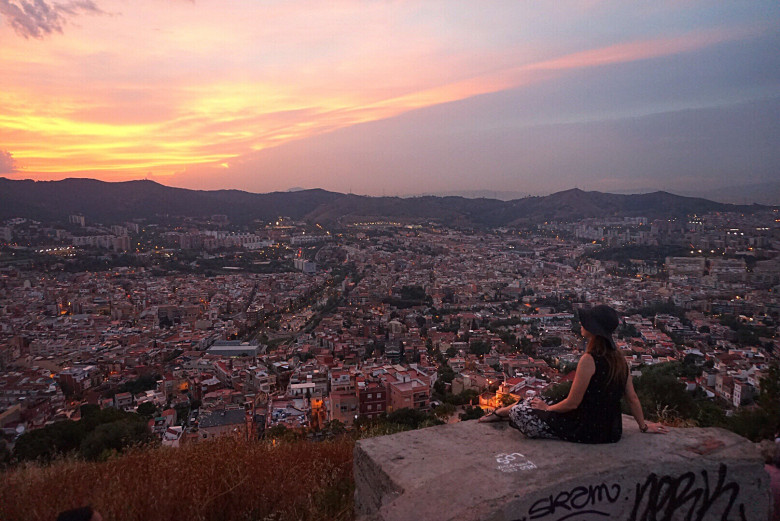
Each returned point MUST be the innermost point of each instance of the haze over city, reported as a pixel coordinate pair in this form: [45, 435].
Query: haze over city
[393, 97]
[389, 260]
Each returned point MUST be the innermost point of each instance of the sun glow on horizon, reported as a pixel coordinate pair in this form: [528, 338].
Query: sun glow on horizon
[159, 89]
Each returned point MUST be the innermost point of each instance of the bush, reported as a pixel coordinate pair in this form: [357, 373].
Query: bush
[551, 341]
[281, 433]
[111, 438]
[68, 436]
[147, 409]
[412, 418]
[140, 384]
[43, 444]
[659, 389]
[472, 413]
[557, 392]
[444, 411]
[479, 348]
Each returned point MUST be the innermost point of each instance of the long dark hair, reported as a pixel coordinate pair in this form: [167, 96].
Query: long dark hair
[618, 367]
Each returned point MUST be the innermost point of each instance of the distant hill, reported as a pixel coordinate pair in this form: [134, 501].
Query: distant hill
[761, 193]
[115, 202]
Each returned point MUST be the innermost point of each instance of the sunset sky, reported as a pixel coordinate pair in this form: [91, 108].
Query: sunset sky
[393, 97]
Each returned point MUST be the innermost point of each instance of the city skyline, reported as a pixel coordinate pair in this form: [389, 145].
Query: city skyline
[392, 97]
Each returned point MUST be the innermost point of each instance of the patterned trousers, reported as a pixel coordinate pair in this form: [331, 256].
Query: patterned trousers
[528, 421]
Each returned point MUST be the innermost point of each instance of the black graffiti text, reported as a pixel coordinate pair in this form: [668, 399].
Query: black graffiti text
[661, 497]
[572, 502]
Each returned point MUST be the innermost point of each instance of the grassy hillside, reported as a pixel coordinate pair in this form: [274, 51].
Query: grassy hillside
[219, 480]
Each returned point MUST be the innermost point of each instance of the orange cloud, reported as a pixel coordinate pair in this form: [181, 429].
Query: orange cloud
[130, 95]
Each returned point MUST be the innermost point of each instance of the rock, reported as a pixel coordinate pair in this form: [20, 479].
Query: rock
[472, 471]
[770, 450]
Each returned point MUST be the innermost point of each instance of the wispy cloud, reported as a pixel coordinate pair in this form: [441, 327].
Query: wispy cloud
[134, 129]
[7, 163]
[168, 84]
[39, 18]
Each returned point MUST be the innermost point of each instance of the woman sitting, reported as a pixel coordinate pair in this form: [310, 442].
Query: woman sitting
[591, 411]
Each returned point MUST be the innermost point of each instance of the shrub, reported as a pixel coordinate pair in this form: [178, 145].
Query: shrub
[472, 413]
[110, 438]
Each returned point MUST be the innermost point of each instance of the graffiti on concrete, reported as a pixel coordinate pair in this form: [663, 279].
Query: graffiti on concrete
[661, 498]
[689, 496]
[513, 462]
[578, 501]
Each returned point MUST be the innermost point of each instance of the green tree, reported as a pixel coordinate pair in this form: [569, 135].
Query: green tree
[446, 374]
[627, 331]
[557, 392]
[415, 293]
[444, 411]
[659, 389]
[43, 444]
[334, 428]
[114, 437]
[411, 418]
[769, 397]
[282, 433]
[691, 366]
[147, 409]
[527, 347]
[472, 413]
[479, 348]
[68, 436]
[182, 413]
[89, 410]
[140, 384]
[762, 421]
[35, 445]
[754, 424]
[468, 396]
[93, 417]
[710, 414]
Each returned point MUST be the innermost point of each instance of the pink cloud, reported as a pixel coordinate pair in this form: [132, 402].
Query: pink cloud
[638, 50]
[7, 162]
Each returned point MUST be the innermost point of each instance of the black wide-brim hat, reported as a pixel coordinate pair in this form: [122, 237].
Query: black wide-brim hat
[600, 320]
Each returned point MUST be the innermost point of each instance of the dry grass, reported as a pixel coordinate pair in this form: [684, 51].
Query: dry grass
[671, 418]
[217, 480]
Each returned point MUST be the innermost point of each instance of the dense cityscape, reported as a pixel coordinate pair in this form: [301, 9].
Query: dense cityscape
[389, 261]
[199, 328]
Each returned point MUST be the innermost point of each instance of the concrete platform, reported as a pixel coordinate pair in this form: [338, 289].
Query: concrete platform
[472, 471]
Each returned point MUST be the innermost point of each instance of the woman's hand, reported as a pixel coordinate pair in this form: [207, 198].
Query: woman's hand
[538, 403]
[655, 428]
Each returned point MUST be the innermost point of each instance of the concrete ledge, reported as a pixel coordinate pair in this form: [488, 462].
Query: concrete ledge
[472, 471]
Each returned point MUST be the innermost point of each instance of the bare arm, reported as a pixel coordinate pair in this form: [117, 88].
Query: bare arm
[633, 402]
[585, 370]
[636, 410]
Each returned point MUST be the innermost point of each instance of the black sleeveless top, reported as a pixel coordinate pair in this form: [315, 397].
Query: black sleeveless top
[598, 419]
